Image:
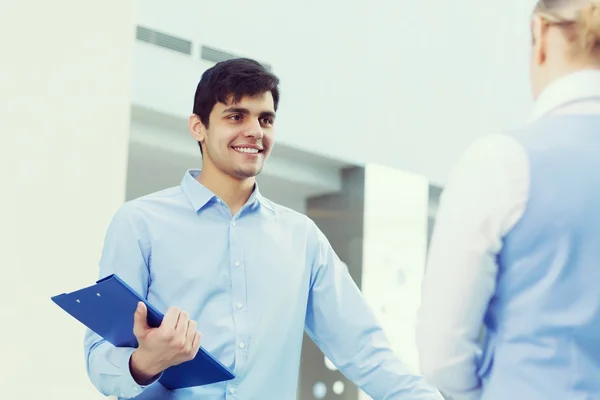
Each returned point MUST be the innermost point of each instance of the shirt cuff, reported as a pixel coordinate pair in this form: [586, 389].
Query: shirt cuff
[128, 386]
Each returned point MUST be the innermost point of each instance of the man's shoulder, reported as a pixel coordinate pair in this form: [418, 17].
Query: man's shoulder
[288, 215]
[156, 203]
[284, 211]
[298, 223]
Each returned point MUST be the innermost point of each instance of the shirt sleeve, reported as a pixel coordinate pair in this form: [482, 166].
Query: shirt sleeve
[343, 326]
[126, 252]
[484, 198]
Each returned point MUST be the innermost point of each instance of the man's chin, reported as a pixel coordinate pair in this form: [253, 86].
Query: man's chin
[245, 173]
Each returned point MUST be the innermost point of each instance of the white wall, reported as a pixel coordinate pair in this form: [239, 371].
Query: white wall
[404, 84]
[64, 118]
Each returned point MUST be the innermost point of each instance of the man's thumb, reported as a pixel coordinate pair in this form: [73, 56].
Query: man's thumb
[140, 322]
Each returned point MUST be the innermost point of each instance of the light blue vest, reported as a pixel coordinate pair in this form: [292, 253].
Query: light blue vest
[544, 322]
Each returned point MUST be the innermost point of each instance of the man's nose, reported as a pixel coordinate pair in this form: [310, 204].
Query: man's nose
[254, 130]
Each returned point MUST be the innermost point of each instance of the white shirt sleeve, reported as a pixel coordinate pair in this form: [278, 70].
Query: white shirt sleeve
[484, 198]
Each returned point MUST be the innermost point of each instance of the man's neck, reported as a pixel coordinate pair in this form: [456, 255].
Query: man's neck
[234, 192]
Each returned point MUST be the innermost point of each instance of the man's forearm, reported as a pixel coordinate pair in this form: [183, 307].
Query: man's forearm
[402, 384]
[380, 373]
[143, 370]
[109, 371]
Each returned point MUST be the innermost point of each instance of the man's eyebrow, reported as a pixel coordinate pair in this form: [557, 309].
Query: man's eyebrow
[267, 114]
[237, 110]
[245, 111]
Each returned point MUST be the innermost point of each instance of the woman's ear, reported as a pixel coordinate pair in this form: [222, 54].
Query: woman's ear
[539, 29]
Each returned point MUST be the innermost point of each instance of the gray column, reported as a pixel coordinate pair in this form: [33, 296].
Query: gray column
[340, 217]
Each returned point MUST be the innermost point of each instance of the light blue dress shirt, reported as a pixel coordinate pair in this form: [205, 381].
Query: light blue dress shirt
[253, 282]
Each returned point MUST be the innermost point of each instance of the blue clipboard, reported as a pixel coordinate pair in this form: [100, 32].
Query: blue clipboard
[107, 308]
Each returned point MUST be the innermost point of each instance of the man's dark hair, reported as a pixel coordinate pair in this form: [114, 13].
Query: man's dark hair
[236, 78]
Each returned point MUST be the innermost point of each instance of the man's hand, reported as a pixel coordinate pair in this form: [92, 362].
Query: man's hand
[174, 342]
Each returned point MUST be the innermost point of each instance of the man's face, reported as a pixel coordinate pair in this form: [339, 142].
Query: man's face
[239, 136]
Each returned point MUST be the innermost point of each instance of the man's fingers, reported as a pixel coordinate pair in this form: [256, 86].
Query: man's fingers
[191, 333]
[196, 342]
[182, 326]
[140, 322]
[170, 320]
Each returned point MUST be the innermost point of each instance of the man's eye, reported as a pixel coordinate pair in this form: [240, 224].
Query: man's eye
[266, 121]
[235, 117]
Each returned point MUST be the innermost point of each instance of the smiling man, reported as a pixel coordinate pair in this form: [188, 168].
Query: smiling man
[251, 275]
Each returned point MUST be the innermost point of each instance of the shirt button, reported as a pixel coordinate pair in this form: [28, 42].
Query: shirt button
[234, 223]
[237, 264]
[232, 390]
[240, 306]
[242, 345]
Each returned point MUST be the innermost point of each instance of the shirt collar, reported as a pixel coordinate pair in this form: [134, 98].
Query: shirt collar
[200, 196]
[577, 86]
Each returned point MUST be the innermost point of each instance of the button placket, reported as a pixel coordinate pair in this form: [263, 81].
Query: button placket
[239, 293]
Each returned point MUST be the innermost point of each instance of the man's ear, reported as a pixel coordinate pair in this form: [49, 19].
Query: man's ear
[196, 128]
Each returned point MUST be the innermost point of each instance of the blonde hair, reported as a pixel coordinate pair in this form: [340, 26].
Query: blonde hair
[582, 17]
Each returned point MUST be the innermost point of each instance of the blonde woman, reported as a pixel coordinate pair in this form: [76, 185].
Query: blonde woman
[516, 246]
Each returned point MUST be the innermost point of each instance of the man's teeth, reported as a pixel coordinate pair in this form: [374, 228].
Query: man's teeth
[246, 150]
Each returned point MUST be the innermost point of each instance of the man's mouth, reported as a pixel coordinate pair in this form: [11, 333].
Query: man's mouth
[247, 150]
